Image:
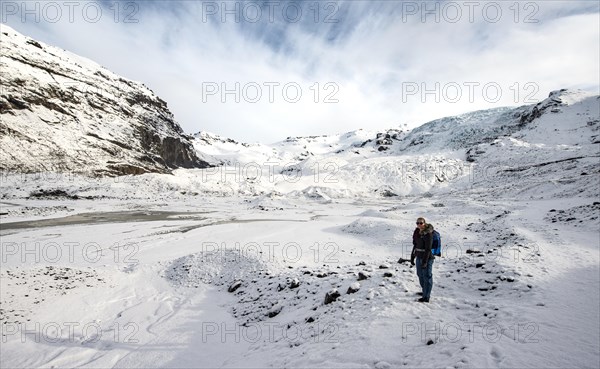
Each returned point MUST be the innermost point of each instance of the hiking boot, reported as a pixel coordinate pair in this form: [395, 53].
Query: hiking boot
[423, 300]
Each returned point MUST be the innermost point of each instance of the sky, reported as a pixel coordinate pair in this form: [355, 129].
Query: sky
[260, 71]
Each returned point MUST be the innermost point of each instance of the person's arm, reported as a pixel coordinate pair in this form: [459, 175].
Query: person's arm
[427, 243]
[412, 254]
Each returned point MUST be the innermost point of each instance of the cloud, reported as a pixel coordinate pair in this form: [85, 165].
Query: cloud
[357, 64]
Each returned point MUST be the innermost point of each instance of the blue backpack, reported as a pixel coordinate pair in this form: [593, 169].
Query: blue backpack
[436, 247]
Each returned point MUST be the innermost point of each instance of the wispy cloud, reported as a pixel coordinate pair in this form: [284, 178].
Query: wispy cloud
[374, 54]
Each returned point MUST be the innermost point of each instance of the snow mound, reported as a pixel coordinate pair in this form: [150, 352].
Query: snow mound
[378, 231]
[220, 267]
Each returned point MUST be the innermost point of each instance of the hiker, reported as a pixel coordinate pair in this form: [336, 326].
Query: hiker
[422, 243]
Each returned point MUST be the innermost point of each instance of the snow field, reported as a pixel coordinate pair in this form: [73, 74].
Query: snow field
[502, 292]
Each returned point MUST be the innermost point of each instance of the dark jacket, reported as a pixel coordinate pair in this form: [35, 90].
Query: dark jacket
[422, 242]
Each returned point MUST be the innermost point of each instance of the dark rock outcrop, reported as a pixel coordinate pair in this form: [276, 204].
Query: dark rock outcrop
[331, 296]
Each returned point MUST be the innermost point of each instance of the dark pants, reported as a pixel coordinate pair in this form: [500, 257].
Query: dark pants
[425, 277]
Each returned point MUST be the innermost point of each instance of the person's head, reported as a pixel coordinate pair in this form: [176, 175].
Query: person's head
[421, 223]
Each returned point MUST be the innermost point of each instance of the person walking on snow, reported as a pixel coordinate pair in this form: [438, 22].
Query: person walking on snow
[422, 242]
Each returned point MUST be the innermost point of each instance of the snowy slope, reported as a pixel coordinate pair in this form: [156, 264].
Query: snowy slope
[555, 153]
[64, 113]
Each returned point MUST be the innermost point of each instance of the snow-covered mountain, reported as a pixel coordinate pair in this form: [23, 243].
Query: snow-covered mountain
[542, 150]
[295, 149]
[504, 149]
[64, 113]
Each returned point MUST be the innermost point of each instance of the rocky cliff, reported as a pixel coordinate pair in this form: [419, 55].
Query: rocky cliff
[63, 113]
